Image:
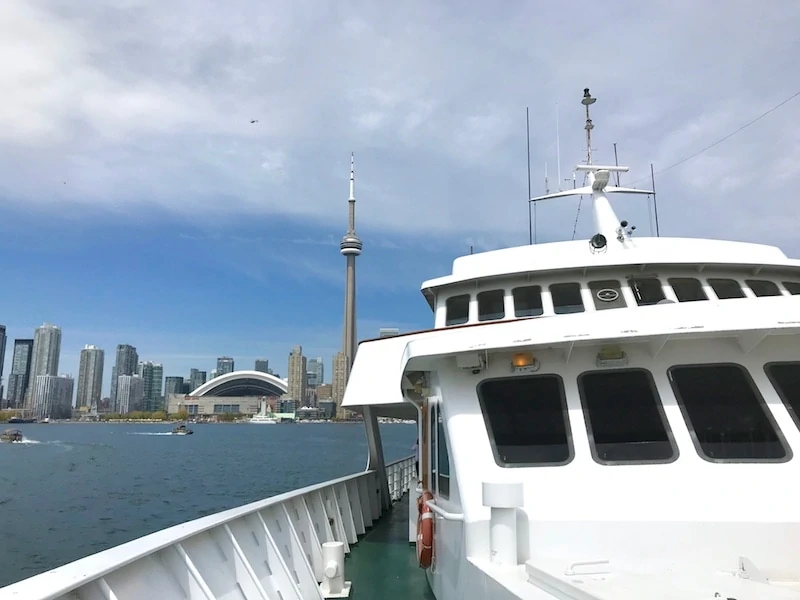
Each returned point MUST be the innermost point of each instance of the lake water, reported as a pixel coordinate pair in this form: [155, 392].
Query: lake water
[76, 489]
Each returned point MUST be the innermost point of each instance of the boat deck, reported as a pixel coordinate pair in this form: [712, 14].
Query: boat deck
[384, 564]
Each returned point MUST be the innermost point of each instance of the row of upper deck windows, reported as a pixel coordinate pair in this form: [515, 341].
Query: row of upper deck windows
[563, 298]
[624, 416]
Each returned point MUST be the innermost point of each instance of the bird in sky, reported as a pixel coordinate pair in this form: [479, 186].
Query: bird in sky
[253, 121]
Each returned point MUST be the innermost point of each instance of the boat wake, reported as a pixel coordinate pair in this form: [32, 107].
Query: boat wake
[148, 433]
[26, 442]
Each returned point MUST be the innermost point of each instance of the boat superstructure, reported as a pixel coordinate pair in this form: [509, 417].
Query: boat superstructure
[613, 418]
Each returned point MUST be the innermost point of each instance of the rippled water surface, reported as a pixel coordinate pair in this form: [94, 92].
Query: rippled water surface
[75, 489]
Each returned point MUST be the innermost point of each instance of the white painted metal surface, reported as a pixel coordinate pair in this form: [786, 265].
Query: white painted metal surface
[268, 549]
[695, 525]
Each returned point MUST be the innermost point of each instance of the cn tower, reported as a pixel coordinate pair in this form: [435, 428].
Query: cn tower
[350, 248]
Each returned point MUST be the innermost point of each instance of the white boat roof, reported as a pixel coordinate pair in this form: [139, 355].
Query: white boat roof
[646, 251]
[382, 362]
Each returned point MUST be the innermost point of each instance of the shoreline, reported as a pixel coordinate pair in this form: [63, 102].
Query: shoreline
[245, 422]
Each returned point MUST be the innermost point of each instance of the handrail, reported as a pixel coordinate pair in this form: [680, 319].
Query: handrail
[66, 578]
[399, 460]
[447, 516]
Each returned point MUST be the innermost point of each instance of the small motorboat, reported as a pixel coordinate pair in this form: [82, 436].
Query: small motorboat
[9, 436]
[182, 430]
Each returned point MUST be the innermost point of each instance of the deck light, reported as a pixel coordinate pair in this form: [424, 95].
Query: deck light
[611, 356]
[524, 362]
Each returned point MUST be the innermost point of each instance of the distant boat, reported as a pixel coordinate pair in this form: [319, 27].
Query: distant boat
[265, 416]
[9, 436]
[263, 420]
[182, 430]
[21, 420]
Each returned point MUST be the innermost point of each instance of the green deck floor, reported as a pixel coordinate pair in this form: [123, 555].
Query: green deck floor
[383, 564]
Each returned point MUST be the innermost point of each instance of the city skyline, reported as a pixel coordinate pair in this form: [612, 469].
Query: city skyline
[106, 366]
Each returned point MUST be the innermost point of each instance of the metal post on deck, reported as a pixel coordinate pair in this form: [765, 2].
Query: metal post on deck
[375, 459]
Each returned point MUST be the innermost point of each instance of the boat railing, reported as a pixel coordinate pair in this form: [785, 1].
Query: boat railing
[399, 475]
[272, 548]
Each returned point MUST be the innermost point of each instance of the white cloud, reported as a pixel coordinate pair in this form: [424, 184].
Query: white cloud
[139, 101]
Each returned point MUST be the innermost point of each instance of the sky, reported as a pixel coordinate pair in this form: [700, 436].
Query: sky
[140, 205]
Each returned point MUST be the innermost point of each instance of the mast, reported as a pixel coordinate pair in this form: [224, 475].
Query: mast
[587, 102]
[607, 226]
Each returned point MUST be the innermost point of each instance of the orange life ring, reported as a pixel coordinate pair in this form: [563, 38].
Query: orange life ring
[425, 531]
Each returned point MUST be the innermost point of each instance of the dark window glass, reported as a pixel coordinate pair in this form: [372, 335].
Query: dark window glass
[490, 305]
[526, 418]
[728, 419]
[606, 294]
[786, 379]
[725, 289]
[763, 287]
[442, 458]
[624, 417]
[566, 298]
[457, 310]
[793, 287]
[527, 301]
[687, 289]
[646, 290]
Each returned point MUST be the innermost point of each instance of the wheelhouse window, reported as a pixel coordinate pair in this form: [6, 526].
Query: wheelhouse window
[763, 287]
[726, 289]
[607, 294]
[490, 305]
[687, 289]
[527, 301]
[726, 416]
[647, 290]
[457, 310]
[566, 298]
[785, 377]
[526, 418]
[441, 457]
[793, 287]
[624, 417]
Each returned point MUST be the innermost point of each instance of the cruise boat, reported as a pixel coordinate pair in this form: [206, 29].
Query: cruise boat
[264, 416]
[602, 419]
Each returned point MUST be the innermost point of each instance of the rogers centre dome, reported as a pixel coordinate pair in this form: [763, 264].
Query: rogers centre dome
[242, 383]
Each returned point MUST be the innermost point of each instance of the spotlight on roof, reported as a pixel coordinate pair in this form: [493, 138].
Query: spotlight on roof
[598, 241]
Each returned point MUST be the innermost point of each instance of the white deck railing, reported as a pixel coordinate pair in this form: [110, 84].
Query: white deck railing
[267, 549]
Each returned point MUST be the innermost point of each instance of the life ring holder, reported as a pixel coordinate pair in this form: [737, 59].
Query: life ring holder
[425, 522]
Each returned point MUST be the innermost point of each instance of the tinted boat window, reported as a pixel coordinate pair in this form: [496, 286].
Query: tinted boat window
[527, 301]
[606, 294]
[725, 289]
[687, 289]
[785, 377]
[624, 417]
[793, 287]
[490, 305]
[763, 287]
[441, 461]
[726, 416]
[566, 298]
[457, 310]
[526, 418]
[647, 290]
